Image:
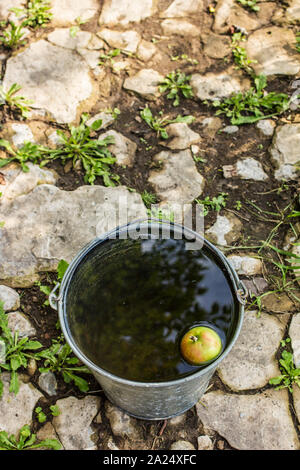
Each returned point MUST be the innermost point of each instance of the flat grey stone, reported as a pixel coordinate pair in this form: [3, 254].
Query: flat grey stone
[247, 169]
[271, 48]
[294, 333]
[212, 86]
[144, 83]
[216, 46]
[225, 230]
[205, 443]
[67, 11]
[126, 40]
[74, 423]
[246, 265]
[181, 136]
[123, 149]
[182, 8]
[17, 321]
[180, 28]
[116, 12]
[122, 424]
[18, 182]
[106, 118]
[266, 126]
[16, 410]
[296, 400]
[179, 180]
[250, 422]
[285, 151]
[146, 50]
[62, 37]
[10, 298]
[252, 363]
[182, 445]
[230, 129]
[64, 222]
[55, 78]
[22, 134]
[48, 383]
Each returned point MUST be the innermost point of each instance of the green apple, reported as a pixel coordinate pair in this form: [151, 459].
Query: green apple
[200, 344]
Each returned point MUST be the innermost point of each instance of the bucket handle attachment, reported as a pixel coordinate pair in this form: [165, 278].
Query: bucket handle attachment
[53, 299]
[242, 293]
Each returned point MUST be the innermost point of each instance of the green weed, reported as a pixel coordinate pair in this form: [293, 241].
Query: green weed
[148, 198]
[215, 204]
[252, 105]
[37, 13]
[289, 373]
[26, 441]
[58, 358]
[17, 352]
[13, 35]
[176, 84]
[250, 4]
[158, 123]
[14, 102]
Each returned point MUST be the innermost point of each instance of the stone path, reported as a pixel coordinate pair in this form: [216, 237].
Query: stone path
[46, 217]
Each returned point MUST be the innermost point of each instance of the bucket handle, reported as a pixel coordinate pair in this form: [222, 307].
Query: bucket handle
[53, 299]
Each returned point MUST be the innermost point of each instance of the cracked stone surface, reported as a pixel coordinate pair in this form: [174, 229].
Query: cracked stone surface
[17, 182]
[128, 40]
[76, 414]
[61, 228]
[67, 85]
[16, 410]
[212, 86]
[271, 48]
[179, 180]
[245, 420]
[251, 363]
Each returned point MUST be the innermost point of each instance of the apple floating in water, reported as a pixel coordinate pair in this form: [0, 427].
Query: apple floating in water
[200, 344]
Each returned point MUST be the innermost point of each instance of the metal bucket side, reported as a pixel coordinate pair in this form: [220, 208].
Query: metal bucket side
[155, 400]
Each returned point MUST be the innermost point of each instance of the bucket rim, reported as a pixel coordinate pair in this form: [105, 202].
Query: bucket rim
[63, 289]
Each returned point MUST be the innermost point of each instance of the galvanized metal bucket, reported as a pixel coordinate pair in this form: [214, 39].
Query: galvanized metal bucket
[155, 400]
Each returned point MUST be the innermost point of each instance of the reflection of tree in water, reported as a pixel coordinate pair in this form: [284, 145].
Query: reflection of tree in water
[148, 293]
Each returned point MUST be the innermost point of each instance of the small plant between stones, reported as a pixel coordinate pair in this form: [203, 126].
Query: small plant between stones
[26, 441]
[176, 84]
[289, 373]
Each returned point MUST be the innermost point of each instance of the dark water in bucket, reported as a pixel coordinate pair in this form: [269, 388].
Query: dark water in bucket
[131, 301]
